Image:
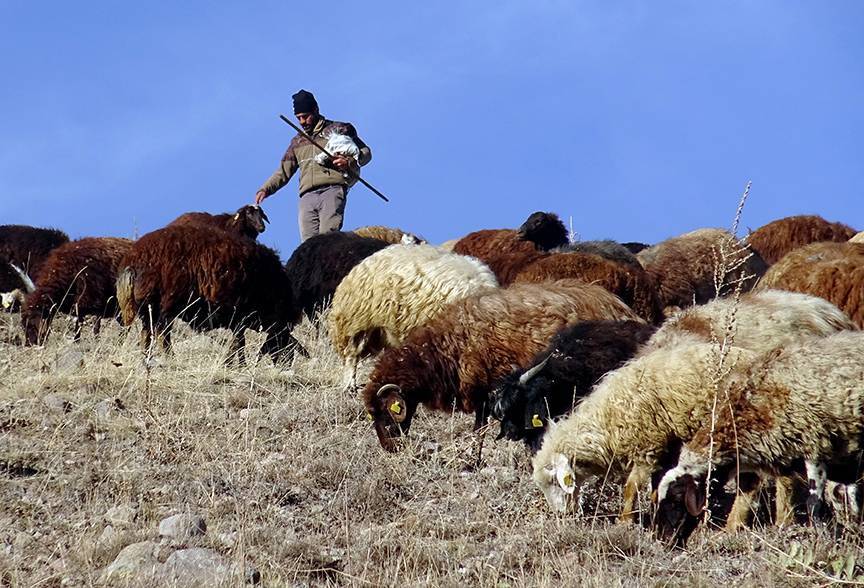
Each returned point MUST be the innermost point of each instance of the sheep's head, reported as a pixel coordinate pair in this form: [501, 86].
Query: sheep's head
[250, 220]
[558, 480]
[545, 230]
[519, 404]
[13, 300]
[391, 414]
[681, 501]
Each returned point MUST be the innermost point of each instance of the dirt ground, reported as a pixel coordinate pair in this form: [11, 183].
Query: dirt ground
[288, 474]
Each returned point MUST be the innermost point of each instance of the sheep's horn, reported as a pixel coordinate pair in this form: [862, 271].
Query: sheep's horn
[388, 387]
[263, 214]
[524, 378]
[28, 283]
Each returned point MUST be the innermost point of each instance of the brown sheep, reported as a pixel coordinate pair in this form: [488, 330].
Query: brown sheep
[833, 271]
[209, 278]
[684, 267]
[28, 248]
[389, 235]
[248, 221]
[541, 231]
[506, 266]
[631, 285]
[459, 355]
[77, 278]
[779, 237]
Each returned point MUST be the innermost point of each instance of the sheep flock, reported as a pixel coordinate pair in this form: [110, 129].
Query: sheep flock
[704, 385]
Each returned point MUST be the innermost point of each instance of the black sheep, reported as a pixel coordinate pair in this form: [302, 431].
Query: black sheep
[248, 221]
[578, 356]
[318, 265]
[28, 248]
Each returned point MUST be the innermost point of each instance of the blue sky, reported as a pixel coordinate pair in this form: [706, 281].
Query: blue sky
[639, 119]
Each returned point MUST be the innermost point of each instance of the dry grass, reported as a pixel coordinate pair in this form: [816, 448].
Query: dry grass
[290, 478]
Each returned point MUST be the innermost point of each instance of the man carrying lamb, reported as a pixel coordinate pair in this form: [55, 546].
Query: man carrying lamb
[324, 182]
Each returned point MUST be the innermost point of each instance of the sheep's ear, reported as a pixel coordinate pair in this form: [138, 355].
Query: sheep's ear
[564, 473]
[396, 406]
[694, 498]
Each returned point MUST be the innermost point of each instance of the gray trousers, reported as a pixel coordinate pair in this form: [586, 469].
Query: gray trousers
[321, 211]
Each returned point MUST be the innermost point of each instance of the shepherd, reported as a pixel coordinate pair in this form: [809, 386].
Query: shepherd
[324, 180]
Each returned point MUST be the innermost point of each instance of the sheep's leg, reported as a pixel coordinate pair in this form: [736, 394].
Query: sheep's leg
[783, 507]
[163, 337]
[146, 337]
[349, 377]
[816, 479]
[480, 417]
[237, 348]
[638, 478]
[97, 326]
[76, 333]
[748, 486]
[853, 498]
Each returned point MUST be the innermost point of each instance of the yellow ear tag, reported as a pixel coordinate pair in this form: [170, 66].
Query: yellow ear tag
[368, 416]
[568, 479]
[237, 216]
[535, 420]
[395, 408]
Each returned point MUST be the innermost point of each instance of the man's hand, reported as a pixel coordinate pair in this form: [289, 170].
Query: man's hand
[341, 162]
[260, 195]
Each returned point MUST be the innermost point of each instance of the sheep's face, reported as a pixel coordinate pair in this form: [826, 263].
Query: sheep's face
[558, 481]
[252, 218]
[544, 229]
[10, 300]
[682, 500]
[391, 415]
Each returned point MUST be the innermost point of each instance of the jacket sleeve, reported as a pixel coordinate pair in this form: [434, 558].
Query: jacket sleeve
[283, 173]
[365, 152]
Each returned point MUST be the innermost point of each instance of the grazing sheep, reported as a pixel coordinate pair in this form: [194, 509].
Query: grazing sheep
[210, 278]
[28, 248]
[77, 278]
[563, 373]
[606, 248]
[684, 267]
[454, 359]
[248, 221]
[779, 237]
[388, 234]
[393, 291]
[634, 418]
[859, 238]
[320, 263]
[630, 284]
[12, 301]
[833, 271]
[763, 320]
[542, 231]
[803, 403]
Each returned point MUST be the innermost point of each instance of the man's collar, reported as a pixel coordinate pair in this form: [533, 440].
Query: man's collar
[319, 126]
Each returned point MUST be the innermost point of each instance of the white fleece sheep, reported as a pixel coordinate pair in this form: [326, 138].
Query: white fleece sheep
[395, 290]
[763, 321]
[631, 416]
[804, 402]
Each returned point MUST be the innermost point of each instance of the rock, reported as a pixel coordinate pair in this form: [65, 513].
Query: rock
[109, 534]
[22, 542]
[182, 527]
[203, 567]
[108, 407]
[250, 413]
[137, 563]
[56, 403]
[284, 416]
[70, 360]
[122, 515]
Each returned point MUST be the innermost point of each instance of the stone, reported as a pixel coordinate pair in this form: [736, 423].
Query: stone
[182, 527]
[70, 360]
[108, 407]
[109, 534]
[122, 515]
[56, 403]
[250, 413]
[137, 563]
[198, 566]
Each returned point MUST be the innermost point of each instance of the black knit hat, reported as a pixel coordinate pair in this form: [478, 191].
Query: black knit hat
[304, 102]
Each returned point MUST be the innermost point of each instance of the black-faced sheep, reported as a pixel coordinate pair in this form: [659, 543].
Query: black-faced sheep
[455, 358]
[12, 301]
[833, 271]
[779, 237]
[248, 221]
[209, 278]
[395, 290]
[803, 403]
[542, 231]
[634, 418]
[28, 248]
[685, 268]
[77, 278]
[319, 264]
[631, 284]
[635, 247]
[562, 374]
[389, 234]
